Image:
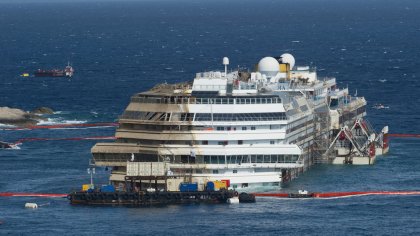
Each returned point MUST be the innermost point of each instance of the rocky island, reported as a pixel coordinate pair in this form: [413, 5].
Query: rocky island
[21, 118]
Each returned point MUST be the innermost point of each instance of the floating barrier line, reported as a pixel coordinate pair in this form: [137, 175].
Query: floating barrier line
[61, 126]
[340, 194]
[8, 194]
[404, 135]
[279, 195]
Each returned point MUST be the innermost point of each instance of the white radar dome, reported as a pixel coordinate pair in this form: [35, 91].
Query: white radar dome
[289, 59]
[269, 66]
[225, 61]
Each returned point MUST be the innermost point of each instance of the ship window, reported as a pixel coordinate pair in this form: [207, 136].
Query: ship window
[252, 127]
[220, 128]
[243, 128]
[273, 159]
[185, 159]
[235, 171]
[205, 142]
[259, 158]
[221, 159]
[281, 158]
[240, 142]
[239, 160]
[266, 158]
[215, 171]
[253, 158]
[334, 102]
[271, 141]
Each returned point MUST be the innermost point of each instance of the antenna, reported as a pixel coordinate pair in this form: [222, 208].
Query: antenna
[225, 63]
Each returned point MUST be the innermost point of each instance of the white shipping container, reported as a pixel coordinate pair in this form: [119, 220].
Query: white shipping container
[146, 169]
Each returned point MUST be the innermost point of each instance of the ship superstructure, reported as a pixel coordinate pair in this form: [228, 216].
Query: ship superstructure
[249, 129]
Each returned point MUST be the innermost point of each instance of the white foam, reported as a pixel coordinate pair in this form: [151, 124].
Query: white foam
[15, 146]
[60, 121]
[6, 126]
[61, 112]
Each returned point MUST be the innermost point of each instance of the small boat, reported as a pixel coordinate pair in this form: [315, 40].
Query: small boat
[301, 194]
[380, 106]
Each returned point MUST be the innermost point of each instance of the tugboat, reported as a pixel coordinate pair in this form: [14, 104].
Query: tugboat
[301, 194]
[67, 72]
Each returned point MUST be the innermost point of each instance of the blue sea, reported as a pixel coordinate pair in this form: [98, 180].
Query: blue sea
[119, 48]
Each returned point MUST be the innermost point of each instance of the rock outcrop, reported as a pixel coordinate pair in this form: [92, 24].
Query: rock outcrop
[18, 117]
[43, 111]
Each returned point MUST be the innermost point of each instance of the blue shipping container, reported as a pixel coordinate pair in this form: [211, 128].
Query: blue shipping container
[188, 187]
[107, 188]
[210, 186]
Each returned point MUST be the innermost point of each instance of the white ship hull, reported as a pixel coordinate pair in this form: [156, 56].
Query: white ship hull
[246, 128]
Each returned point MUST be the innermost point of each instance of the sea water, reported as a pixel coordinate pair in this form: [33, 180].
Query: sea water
[121, 48]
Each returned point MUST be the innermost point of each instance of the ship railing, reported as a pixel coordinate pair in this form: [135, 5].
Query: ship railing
[206, 117]
[235, 166]
[194, 100]
[354, 103]
[110, 161]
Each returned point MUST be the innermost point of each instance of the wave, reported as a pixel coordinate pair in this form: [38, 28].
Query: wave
[6, 126]
[61, 112]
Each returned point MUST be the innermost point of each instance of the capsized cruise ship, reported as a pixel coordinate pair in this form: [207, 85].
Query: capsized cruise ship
[249, 129]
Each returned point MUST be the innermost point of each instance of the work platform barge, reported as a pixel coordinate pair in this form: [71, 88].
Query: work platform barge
[133, 195]
[254, 129]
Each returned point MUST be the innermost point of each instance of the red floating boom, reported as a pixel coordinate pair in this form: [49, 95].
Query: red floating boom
[7, 194]
[338, 194]
[279, 195]
[405, 135]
